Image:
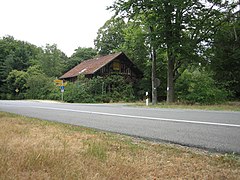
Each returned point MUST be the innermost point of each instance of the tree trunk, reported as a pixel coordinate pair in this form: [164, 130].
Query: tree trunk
[154, 88]
[170, 38]
[170, 78]
[153, 58]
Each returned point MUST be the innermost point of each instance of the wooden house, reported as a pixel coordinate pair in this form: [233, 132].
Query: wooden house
[117, 63]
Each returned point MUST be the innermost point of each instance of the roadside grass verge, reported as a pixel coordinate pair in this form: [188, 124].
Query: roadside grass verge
[230, 106]
[37, 149]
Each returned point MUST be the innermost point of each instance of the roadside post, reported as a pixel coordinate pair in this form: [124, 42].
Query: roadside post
[62, 91]
[61, 84]
[147, 101]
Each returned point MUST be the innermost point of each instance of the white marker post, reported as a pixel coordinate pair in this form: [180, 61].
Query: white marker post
[146, 98]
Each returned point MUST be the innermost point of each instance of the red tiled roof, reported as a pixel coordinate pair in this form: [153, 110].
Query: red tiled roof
[90, 66]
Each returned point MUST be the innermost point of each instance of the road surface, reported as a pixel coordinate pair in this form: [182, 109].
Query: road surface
[212, 130]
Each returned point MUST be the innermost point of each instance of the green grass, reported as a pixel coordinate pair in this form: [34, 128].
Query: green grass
[97, 150]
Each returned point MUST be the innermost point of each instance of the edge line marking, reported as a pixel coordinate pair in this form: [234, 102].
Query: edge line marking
[140, 117]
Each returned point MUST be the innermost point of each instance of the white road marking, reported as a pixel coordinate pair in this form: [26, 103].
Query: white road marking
[140, 117]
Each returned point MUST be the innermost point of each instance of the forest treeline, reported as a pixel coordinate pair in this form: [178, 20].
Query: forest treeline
[193, 47]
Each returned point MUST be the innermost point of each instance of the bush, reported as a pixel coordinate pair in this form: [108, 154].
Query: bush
[16, 80]
[199, 87]
[77, 92]
[98, 89]
[42, 87]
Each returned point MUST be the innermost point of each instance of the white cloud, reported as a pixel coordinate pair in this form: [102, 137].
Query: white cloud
[67, 23]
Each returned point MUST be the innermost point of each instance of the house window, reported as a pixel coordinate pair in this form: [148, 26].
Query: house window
[116, 65]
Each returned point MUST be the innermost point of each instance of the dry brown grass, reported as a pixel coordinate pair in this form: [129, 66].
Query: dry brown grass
[34, 149]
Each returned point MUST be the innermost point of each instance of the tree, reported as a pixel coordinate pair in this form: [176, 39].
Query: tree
[182, 28]
[134, 44]
[14, 55]
[16, 82]
[110, 36]
[225, 61]
[80, 55]
[137, 45]
[39, 86]
[51, 60]
[137, 48]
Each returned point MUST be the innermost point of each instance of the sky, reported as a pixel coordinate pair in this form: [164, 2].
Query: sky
[68, 23]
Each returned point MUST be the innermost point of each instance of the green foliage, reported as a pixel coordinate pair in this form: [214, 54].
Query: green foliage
[76, 92]
[14, 55]
[130, 38]
[134, 44]
[225, 62]
[110, 36]
[112, 88]
[34, 70]
[97, 150]
[183, 29]
[80, 55]
[199, 87]
[16, 82]
[40, 86]
[51, 60]
[118, 89]
[84, 53]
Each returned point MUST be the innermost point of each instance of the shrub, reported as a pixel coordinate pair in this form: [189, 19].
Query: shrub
[199, 87]
[77, 92]
[42, 87]
[98, 89]
[16, 80]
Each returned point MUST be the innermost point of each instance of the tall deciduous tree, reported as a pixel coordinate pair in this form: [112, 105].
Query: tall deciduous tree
[180, 27]
[110, 36]
[52, 61]
[134, 44]
[14, 55]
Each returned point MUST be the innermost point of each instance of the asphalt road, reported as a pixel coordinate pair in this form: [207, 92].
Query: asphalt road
[212, 130]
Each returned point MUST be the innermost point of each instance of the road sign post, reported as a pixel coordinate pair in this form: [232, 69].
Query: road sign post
[62, 91]
[61, 84]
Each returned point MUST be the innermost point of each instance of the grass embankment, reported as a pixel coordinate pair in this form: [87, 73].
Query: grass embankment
[231, 106]
[35, 149]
